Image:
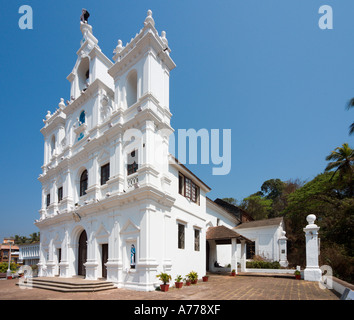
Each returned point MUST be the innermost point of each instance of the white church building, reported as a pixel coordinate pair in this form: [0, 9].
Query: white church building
[115, 203]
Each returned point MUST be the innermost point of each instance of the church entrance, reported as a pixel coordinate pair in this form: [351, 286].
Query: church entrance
[82, 254]
[104, 259]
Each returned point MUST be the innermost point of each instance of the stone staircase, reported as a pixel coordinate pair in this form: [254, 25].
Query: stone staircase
[68, 284]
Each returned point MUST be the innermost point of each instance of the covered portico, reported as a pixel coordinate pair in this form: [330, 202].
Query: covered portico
[222, 235]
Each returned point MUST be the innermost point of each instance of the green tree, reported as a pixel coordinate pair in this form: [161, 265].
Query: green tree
[342, 161]
[324, 197]
[257, 206]
[232, 201]
[273, 188]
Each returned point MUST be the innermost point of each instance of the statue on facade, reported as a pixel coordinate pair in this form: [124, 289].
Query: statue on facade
[132, 256]
[84, 16]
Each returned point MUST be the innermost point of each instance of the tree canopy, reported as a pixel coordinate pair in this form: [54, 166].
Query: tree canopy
[329, 196]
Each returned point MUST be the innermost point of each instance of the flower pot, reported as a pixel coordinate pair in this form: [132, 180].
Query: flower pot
[9, 277]
[205, 278]
[194, 281]
[178, 284]
[233, 274]
[188, 283]
[164, 287]
[298, 276]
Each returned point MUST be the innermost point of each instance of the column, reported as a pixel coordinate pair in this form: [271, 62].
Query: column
[312, 271]
[243, 255]
[234, 254]
[282, 250]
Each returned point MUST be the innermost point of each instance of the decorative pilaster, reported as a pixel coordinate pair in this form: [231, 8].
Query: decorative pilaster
[64, 263]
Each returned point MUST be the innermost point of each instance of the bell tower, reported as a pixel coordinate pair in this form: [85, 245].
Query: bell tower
[142, 67]
[91, 64]
[141, 88]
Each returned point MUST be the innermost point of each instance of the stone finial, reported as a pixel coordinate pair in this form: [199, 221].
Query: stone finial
[163, 38]
[119, 48]
[149, 18]
[61, 104]
[311, 219]
[48, 115]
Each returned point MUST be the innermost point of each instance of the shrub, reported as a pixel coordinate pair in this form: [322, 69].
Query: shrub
[262, 265]
[4, 266]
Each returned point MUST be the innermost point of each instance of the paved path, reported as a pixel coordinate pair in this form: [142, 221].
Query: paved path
[219, 287]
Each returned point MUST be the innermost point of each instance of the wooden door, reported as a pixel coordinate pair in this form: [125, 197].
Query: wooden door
[104, 259]
[81, 271]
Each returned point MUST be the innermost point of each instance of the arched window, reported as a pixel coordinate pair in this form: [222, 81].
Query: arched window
[132, 88]
[83, 183]
[82, 117]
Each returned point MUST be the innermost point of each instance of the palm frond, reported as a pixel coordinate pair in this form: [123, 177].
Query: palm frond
[350, 104]
[351, 129]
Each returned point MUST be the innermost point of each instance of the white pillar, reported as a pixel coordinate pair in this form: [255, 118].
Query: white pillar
[283, 261]
[312, 271]
[243, 256]
[234, 254]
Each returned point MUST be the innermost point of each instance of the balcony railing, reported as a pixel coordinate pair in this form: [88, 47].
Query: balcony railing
[132, 181]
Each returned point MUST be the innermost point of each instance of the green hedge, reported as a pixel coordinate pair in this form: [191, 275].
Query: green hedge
[262, 265]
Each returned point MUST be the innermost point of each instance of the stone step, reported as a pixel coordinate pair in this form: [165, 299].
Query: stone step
[68, 285]
[83, 283]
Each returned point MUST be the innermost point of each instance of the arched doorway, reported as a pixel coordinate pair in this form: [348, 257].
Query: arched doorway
[81, 270]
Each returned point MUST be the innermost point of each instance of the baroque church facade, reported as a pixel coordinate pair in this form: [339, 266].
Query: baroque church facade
[115, 203]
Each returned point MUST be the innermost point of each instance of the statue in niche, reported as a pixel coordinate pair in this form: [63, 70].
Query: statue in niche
[84, 16]
[132, 256]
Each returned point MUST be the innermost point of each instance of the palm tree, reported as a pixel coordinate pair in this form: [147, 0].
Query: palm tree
[350, 105]
[343, 163]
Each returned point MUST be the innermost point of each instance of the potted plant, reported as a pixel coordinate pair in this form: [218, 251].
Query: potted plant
[205, 278]
[233, 272]
[297, 274]
[178, 281]
[193, 277]
[165, 278]
[188, 281]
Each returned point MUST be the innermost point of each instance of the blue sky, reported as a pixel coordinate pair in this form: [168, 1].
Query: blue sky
[262, 68]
